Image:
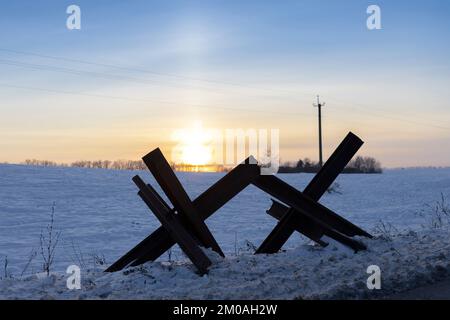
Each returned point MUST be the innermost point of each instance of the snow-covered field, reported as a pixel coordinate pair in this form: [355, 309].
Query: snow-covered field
[99, 215]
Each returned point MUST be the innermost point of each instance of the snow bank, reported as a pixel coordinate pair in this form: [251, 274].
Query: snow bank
[406, 260]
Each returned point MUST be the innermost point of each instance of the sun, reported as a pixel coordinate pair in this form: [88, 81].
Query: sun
[195, 154]
[193, 146]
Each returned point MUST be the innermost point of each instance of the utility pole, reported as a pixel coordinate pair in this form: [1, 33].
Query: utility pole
[319, 106]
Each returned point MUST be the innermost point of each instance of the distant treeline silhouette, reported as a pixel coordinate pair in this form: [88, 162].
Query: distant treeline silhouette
[357, 165]
[96, 164]
[122, 165]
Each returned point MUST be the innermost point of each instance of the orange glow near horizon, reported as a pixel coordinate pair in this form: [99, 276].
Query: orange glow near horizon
[192, 147]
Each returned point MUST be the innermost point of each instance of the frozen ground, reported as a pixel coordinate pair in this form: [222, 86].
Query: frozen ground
[99, 214]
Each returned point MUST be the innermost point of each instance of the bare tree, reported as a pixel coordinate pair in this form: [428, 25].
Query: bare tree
[48, 242]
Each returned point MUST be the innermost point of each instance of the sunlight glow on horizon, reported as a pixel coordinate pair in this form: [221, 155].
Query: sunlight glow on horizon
[193, 146]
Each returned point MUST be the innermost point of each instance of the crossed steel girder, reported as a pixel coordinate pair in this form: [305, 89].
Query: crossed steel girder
[292, 220]
[152, 247]
[184, 223]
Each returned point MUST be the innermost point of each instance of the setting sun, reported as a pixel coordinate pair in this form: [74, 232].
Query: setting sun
[193, 146]
[195, 154]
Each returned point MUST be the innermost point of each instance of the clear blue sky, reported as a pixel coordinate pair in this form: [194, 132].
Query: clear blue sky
[228, 64]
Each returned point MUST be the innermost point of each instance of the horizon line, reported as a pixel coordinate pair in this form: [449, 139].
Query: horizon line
[68, 165]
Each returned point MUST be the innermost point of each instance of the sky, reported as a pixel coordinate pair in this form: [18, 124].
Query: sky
[137, 71]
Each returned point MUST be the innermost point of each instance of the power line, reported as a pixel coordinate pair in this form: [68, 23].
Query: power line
[125, 68]
[363, 110]
[148, 100]
[219, 107]
[110, 76]
[90, 73]
[98, 64]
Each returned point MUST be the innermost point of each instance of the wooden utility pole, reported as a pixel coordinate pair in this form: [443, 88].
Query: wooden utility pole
[319, 106]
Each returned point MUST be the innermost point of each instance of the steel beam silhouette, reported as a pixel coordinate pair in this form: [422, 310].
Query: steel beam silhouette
[152, 247]
[174, 226]
[185, 222]
[318, 223]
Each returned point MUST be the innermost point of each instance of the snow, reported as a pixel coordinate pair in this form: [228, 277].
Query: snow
[307, 272]
[100, 215]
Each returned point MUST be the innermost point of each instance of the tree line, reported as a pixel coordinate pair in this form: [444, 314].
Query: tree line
[356, 165]
[96, 164]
